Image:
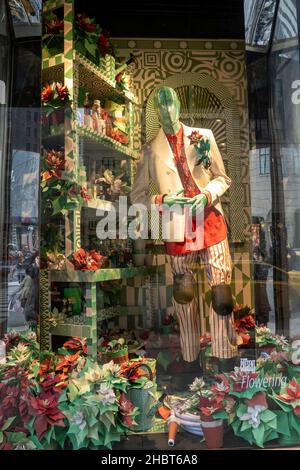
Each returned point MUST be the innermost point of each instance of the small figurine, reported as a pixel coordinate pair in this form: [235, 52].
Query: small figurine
[96, 115]
[87, 111]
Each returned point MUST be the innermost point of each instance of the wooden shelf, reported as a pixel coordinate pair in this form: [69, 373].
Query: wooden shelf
[101, 275]
[90, 138]
[99, 204]
[90, 77]
[70, 329]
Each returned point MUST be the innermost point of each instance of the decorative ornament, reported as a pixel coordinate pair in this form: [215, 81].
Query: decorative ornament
[202, 146]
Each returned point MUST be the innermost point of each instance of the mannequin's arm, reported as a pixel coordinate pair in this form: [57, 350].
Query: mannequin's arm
[220, 182]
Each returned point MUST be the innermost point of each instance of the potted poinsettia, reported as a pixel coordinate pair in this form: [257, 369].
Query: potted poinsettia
[251, 418]
[55, 99]
[115, 350]
[268, 342]
[211, 414]
[244, 324]
[288, 400]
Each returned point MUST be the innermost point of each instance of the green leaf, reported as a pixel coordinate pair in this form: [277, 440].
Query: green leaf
[8, 422]
[295, 423]
[91, 48]
[273, 424]
[1, 437]
[56, 206]
[258, 435]
[267, 416]
[72, 392]
[245, 425]
[93, 432]
[241, 410]
[283, 425]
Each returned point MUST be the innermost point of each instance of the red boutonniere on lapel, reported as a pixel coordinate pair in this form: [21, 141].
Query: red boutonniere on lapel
[202, 147]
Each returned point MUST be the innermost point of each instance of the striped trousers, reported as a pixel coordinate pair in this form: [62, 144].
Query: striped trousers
[218, 266]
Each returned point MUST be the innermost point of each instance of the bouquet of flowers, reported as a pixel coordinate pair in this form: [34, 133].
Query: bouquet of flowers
[244, 323]
[202, 146]
[88, 260]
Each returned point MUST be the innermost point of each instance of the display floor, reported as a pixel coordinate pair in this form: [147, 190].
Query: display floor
[186, 441]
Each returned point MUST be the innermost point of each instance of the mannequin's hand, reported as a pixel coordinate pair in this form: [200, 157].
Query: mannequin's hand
[198, 202]
[172, 199]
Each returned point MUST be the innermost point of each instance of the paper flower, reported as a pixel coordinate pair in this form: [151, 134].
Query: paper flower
[202, 146]
[253, 415]
[88, 260]
[47, 93]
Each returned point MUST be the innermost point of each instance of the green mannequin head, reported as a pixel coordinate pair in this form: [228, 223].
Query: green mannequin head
[167, 106]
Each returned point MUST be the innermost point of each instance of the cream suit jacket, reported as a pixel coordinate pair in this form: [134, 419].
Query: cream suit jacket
[157, 164]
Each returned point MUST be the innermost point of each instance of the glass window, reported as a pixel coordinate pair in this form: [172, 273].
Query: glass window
[4, 107]
[264, 161]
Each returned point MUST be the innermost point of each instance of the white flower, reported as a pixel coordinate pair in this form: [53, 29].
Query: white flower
[79, 420]
[107, 394]
[110, 367]
[252, 415]
[197, 385]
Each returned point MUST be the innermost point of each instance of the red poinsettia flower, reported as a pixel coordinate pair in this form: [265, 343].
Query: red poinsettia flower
[259, 399]
[103, 44]
[54, 26]
[45, 408]
[52, 383]
[125, 405]
[208, 406]
[62, 91]
[221, 388]
[88, 260]
[67, 363]
[45, 366]
[76, 344]
[195, 137]
[84, 194]
[85, 23]
[56, 159]
[293, 392]
[297, 411]
[47, 93]
[6, 446]
[131, 371]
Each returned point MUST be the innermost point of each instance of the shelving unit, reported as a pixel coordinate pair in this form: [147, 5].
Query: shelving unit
[81, 144]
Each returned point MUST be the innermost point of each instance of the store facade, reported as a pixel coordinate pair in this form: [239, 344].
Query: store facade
[122, 328]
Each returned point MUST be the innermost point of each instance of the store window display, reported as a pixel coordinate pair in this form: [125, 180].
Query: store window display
[198, 184]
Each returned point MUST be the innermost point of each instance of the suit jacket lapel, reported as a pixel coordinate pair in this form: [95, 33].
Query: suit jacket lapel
[190, 152]
[161, 147]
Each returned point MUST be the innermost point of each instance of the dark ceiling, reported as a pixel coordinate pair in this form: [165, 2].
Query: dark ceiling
[188, 19]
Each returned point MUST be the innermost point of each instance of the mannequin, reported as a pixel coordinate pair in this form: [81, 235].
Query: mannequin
[172, 162]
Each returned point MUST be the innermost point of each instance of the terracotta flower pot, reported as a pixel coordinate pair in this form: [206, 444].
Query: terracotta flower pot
[213, 430]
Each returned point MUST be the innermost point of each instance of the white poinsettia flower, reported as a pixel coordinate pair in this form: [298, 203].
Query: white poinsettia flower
[252, 415]
[107, 394]
[111, 367]
[197, 385]
[94, 374]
